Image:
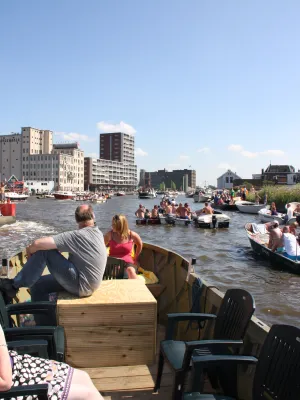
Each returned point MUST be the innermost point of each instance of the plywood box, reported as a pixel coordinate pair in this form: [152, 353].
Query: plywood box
[113, 327]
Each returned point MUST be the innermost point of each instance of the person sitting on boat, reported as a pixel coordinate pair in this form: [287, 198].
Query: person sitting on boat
[64, 382]
[140, 212]
[292, 248]
[174, 209]
[289, 213]
[154, 212]
[147, 213]
[257, 198]
[188, 209]
[2, 192]
[275, 237]
[293, 228]
[207, 209]
[273, 209]
[168, 208]
[121, 241]
[81, 274]
[182, 212]
[265, 199]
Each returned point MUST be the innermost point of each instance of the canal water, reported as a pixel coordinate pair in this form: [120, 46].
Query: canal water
[224, 257]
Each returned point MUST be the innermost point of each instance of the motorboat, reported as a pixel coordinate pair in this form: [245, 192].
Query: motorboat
[147, 194]
[265, 216]
[190, 195]
[172, 219]
[259, 239]
[99, 200]
[13, 196]
[120, 193]
[201, 197]
[249, 207]
[49, 196]
[64, 195]
[215, 220]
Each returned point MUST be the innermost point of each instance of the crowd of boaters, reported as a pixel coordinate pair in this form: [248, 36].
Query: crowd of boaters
[170, 207]
[227, 196]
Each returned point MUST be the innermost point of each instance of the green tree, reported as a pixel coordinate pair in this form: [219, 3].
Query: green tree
[162, 186]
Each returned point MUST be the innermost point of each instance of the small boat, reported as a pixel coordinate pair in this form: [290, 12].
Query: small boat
[148, 221]
[13, 196]
[147, 194]
[265, 216]
[121, 193]
[200, 197]
[228, 207]
[100, 200]
[215, 220]
[49, 196]
[190, 195]
[64, 195]
[259, 239]
[249, 207]
[171, 219]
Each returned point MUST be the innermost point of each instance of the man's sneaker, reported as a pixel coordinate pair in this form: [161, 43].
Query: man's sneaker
[7, 288]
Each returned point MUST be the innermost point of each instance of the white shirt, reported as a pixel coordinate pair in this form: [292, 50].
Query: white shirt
[290, 213]
[291, 245]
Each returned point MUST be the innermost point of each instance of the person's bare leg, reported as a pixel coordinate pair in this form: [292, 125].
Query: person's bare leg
[131, 273]
[82, 387]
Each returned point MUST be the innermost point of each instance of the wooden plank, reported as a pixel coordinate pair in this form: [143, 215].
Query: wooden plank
[165, 393]
[116, 291]
[106, 335]
[127, 354]
[129, 371]
[110, 315]
[156, 289]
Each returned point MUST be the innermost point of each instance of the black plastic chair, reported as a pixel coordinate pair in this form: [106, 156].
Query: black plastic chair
[231, 324]
[115, 268]
[277, 371]
[40, 390]
[54, 335]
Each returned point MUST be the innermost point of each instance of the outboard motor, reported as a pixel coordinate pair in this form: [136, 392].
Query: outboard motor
[170, 219]
[214, 221]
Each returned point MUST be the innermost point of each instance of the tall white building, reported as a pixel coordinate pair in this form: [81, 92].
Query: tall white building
[31, 155]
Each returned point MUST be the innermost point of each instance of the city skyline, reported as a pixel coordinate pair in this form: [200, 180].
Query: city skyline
[204, 86]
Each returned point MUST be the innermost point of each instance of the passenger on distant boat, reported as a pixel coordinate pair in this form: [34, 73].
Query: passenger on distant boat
[273, 209]
[265, 199]
[275, 236]
[289, 213]
[182, 212]
[140, 212]
[257, 198]
[174, 209]
[154, 212]
[293, 228]
[188, 209]
[80, 275]
[147, 214]
[292, 248]
[207, 209]
[121, 241]
[2, 192]
[168, 208]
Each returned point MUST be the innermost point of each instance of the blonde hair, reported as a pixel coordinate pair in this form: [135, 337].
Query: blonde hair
[120, 225]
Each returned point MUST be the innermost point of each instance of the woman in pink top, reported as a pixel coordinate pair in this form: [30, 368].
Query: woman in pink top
[121, 241]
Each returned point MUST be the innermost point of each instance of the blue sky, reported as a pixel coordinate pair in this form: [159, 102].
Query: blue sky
[211, 84]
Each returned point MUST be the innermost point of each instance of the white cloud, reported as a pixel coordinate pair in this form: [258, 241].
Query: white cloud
[203, 150]
[226, 166]
[72, 136]
[173, 165]
[184, 157]
[92, 155]
[249, 154]
[140, 153]
[235, 147]
[272, 153]
[108, 127]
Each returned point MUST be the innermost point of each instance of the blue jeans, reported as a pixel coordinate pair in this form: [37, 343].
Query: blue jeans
[63, 275]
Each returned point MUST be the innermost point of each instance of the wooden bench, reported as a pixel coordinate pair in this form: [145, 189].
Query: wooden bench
[115, 326]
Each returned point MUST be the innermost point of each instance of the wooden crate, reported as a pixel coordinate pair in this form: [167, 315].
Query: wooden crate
[115, 326]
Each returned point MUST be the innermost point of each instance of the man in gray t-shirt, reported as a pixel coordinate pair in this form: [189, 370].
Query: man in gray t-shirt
[80, 275]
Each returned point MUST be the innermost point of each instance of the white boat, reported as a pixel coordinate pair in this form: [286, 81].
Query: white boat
[120, 193]
[265, 216]
[13, 196]
[64, 195]
[249, 207]
[215, 220]
[100, 200]
[147, 194]
[200, 197]
[172, 219]
[49, 196]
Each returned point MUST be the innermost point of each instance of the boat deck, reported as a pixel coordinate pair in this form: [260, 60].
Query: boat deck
[132, 382]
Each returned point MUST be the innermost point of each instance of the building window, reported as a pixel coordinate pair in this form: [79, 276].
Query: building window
[227, 179]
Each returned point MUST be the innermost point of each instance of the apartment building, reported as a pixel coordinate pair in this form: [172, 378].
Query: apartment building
[117, 146]
[106, 174]
[180, 177]
[10, 156]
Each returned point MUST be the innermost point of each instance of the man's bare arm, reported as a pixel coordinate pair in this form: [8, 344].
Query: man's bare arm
[45, 243]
